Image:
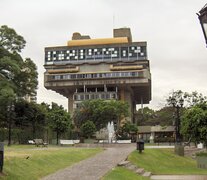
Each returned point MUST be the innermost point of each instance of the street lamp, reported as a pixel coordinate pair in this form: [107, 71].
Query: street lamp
[177, 104]
[10, 110]
[202, 16]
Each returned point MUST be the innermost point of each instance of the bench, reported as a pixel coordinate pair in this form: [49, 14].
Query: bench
[76, 141]
[66, 142]
[69, 142]
[124, 141]
[40, 142]
[31, 142]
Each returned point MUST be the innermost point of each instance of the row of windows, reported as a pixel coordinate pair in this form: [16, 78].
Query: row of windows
[81, 97]
[96, 75]
[96, 53]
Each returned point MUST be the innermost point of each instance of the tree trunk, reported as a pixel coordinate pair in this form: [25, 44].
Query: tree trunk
[33, 130]
[57, 138]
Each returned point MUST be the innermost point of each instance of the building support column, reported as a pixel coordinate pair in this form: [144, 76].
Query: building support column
[70, 104]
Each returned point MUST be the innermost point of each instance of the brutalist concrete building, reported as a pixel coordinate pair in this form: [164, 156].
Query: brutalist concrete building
[108, 68]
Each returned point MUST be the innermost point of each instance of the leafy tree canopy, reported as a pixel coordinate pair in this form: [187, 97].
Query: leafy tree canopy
[100, 112]
[88, 129]
[194, 123]
[190, 99]
[59, 120]
[10, 40]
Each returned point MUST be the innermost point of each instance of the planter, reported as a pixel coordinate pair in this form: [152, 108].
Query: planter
[202, 160]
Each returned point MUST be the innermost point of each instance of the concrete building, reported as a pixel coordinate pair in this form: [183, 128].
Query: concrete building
[109, 68]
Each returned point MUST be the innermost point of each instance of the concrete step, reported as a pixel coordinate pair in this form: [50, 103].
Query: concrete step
[140, 171]
[123, 163]
[147, 174]
[131, 167]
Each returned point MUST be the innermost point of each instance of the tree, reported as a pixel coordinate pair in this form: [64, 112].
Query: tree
[100, 112]
[59, 120]
[190, 99]
[127, 131]
[10, 40]
[194, 123]
[88, 129]
[28, 77]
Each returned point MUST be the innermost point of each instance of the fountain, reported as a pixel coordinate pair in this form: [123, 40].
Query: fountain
[111, 132]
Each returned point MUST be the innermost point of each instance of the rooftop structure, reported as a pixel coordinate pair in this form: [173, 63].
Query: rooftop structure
[107, 68]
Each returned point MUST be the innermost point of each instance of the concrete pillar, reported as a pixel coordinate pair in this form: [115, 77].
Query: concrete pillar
[70, 104]
[127, 97]
[122, 94]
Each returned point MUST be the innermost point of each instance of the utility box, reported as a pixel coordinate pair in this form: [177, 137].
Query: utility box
[140, 145]
[1, 156]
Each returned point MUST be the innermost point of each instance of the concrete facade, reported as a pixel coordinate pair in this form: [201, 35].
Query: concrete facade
[111, 68]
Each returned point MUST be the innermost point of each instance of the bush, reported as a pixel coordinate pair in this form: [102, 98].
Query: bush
[202, 154]
[88, 129]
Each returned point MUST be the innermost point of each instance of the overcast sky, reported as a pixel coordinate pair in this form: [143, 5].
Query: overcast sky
[176, 46]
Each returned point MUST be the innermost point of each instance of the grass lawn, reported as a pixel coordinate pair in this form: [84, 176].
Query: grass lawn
[120, 173]
[41, 161]
[164, 161]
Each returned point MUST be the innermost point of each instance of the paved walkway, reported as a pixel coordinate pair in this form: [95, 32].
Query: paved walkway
[159, 147]
[179, 177]
[95, 167]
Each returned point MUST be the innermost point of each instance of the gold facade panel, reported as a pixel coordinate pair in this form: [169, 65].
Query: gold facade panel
[119, 68]
[72, 70]
[85, 42]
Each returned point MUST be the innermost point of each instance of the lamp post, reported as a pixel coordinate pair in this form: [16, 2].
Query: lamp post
[177, 104]
[10, 110]
[202, 16]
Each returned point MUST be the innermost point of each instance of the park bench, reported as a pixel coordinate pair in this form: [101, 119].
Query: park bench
[124, 141]
[76, 141]
[31, 142]
[68, 142]
[40, 142]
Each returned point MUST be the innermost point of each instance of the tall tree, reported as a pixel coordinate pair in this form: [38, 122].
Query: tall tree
[18, 78]
[10, 40]
[59, 120]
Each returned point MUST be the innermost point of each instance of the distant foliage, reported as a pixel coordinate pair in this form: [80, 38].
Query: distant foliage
[59, 120]
[100, 112]
[88, 129]
[194, 123]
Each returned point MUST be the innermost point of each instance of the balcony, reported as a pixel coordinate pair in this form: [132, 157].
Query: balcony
[139, 74]
[94, 95]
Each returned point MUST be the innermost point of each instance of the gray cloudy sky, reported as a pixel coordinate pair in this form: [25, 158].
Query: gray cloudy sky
[176, 47]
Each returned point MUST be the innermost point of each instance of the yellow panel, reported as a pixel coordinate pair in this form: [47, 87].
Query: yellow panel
[118, 68]
[72, 70]
[85, 42]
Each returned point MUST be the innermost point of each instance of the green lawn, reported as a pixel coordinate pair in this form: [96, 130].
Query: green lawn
[164, 161]
[41, 161]
[120, 173]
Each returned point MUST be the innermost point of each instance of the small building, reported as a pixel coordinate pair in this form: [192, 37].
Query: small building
[157, 133]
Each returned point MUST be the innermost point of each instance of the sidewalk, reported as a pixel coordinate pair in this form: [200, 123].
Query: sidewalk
[95, 167]
[179, 177]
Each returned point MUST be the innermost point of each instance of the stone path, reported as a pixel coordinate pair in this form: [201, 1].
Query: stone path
[95, 167]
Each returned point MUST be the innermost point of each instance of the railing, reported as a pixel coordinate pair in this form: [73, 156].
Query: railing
[95, 75]
[94, 95]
